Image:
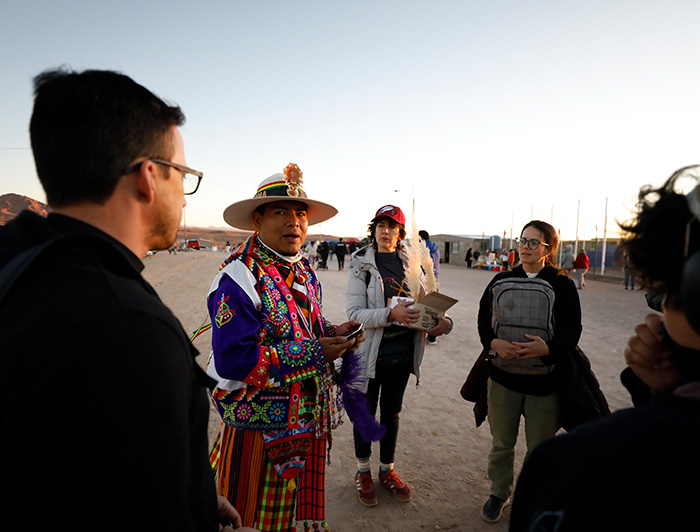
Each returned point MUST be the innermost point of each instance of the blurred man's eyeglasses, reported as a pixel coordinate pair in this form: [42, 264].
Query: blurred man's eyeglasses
[190, 177]
[532, 243]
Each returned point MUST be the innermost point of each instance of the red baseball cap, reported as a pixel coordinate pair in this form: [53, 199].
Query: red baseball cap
[390, 211]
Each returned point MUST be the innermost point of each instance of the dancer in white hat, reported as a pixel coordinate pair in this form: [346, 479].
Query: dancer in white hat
[272, 354]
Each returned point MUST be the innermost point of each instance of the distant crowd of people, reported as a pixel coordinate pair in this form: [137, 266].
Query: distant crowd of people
[319, 253]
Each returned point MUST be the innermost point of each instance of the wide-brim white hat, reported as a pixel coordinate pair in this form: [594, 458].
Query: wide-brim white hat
[278, 187]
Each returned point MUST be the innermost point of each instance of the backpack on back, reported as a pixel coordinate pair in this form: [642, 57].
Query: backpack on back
[522, 306]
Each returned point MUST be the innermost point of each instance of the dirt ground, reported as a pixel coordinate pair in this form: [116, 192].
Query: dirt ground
[441, 454]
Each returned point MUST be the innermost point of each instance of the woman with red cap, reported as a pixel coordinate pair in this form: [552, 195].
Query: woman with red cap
[393, 350]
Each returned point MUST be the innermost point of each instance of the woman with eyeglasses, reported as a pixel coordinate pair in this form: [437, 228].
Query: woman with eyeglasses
[522, 380]
[630, 470]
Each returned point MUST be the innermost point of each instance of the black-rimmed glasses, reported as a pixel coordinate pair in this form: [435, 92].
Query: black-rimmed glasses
[190, 177]
[531, 243]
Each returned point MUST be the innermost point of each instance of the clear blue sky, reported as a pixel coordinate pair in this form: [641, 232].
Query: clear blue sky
[485, 113]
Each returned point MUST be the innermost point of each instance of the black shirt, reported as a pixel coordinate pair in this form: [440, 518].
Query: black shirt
[103, 411]
[390, 267]
[622, 472]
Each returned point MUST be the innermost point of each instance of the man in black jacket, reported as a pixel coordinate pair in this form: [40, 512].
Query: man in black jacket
[103, 409]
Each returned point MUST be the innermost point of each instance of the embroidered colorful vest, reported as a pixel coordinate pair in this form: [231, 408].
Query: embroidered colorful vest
[295, 390]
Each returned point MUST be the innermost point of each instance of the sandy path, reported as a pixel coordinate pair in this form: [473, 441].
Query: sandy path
[440, 454]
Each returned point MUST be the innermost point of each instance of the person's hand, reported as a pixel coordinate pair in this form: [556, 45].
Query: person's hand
[345, 328]
[537, 348]
[358, 340]
[504, 348]
[441, 325]
[229, 515]
[334, 346]
[403, 314]
[649, 358]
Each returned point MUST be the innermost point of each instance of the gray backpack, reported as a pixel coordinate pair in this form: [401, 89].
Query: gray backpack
[522, 306]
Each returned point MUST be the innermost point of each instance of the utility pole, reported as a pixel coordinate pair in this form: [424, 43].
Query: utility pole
[578, 211]
[605, 234]
[512, 218]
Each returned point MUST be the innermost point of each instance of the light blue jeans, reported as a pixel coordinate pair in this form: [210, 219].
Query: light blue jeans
[504, 410]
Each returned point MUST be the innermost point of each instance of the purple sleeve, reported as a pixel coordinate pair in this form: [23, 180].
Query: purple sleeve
[236, 344]
[235, 323]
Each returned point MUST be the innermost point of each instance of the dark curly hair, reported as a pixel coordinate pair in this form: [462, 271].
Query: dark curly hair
[654, 241]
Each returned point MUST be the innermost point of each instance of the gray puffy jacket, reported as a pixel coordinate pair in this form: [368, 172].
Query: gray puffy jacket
[365, 302]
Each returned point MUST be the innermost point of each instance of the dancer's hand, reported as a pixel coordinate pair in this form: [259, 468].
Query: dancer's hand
[345, 328]
[229, 515]
[334, 346]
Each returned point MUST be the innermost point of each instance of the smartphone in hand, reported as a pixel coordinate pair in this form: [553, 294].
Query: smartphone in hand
[355, 332]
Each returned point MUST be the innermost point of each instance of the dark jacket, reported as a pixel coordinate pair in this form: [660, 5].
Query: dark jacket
[103, 410]
[623, 472]
[578, 390]
[567, 323]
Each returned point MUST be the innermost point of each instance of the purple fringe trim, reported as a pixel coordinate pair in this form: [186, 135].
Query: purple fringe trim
[354, 401]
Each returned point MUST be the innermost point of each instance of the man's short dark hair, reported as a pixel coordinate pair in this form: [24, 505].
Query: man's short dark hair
[87, 127]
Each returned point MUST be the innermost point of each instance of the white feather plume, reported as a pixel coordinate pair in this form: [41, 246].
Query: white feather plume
[419, 262]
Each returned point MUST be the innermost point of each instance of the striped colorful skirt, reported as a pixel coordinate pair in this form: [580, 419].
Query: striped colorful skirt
[248, 479]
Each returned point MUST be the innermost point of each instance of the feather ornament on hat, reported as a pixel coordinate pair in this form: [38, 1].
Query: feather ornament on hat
[278, 187]
[292, 175]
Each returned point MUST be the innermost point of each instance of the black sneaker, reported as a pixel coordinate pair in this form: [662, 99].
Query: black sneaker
[493, 509]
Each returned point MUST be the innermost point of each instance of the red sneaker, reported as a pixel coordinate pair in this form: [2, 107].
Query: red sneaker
[365, 489]
[391, 481]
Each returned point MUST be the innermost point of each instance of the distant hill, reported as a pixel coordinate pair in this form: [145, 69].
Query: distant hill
[12, 204]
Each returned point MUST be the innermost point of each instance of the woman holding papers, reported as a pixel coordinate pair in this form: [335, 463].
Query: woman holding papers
[394, 349]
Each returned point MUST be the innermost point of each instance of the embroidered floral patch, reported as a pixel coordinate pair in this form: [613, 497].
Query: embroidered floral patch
[277, 411]
[244, 412]
[295, 355]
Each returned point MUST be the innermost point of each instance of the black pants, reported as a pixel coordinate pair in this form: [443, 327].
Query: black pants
[390, 384]
[341, 261]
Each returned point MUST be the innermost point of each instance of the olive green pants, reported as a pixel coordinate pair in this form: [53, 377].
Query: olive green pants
[504, 410]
